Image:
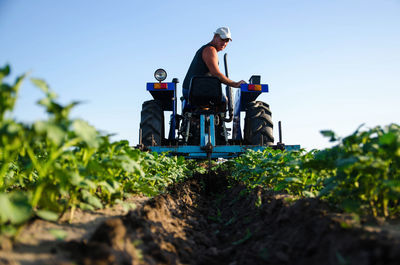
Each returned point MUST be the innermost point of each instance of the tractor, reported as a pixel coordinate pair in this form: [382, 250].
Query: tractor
[201, 130]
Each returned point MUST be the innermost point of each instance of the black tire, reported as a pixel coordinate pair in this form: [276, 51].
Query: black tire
[258, 126]
[152, 123]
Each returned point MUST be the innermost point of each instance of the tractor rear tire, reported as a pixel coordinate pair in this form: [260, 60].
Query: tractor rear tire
[152, 123]
[258, 126]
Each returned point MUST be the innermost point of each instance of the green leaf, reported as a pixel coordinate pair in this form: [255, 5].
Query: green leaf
[106, 186]
[128, 206]
[45, 102]
[293, 180]
[280, 186]
[5, 71]
[53, 132]
[397, 153]
[75, 179]
[87, 183]
[309, 194]
[40, 83]
[328, 189]
[331, 134]
[92, 199]
[148, 190]
[66, 110]
[9, 230]
[131, 166]
[15, 208]
[346, 162]
[86, 207]
[86, 132]
[388, 139]
[47, 215]
[59, 234]
[393, 185]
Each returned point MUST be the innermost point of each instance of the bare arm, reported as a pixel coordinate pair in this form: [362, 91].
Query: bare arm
[210, 57]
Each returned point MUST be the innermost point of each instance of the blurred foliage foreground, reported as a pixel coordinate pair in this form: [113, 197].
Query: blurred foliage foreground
[60, 163]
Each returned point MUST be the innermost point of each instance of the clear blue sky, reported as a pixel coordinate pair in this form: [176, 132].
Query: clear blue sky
[330, 64]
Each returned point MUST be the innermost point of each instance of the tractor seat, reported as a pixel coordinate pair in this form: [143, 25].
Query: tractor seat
[205, 94]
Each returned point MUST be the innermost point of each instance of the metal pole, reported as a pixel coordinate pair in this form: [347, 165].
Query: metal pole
[228, 92]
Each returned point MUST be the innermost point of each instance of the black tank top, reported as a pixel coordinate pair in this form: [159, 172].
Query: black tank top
[197, 67]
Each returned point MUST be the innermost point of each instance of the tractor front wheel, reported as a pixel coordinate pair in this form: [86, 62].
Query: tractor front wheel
[152, 123]
[258, 126]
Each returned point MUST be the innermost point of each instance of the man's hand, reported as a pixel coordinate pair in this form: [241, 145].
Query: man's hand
[237, 84]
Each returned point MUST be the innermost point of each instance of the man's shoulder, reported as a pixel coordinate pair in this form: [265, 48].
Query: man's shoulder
[209, 49]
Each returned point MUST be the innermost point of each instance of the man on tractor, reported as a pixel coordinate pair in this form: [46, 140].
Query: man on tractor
[205, 61]
[205, 113]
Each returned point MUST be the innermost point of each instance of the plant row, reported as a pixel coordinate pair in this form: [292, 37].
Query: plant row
[359, 174]
[58, 164]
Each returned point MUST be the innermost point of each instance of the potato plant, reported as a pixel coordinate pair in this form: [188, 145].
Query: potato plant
[367, 170]
[360, 174]
[279, 171]
[60, 163]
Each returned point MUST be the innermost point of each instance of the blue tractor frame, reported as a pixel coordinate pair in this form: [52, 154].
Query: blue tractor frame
[207, 147]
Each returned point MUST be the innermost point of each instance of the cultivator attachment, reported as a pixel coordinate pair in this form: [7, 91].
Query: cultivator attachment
[197, 152]
[209, 149]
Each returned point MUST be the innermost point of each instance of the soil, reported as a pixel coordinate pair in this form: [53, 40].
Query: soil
[207, 220]
[37, 243]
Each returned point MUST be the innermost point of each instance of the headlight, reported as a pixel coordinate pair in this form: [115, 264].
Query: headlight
[160, 75]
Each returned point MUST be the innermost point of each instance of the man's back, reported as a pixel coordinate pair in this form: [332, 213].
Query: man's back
[197, 67]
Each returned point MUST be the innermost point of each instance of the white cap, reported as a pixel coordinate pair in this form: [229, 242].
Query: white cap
[223, 32]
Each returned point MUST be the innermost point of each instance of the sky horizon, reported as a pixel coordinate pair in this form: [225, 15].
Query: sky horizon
[329, 64]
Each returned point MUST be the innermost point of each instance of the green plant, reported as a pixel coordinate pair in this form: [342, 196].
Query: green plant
[60, 163]
[360, 174]
[278, 170]
[367, 170]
